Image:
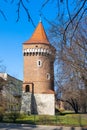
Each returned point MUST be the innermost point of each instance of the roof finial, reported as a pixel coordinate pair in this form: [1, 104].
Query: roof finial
[40, 18]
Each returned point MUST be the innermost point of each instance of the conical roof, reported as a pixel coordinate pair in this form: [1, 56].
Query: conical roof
[39, 35]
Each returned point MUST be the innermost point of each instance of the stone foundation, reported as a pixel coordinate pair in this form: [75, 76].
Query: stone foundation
[41, 104]
[45, 104]
[26, 103]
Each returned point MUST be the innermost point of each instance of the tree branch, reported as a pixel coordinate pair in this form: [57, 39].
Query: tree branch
[2, 13]
[21, 3]
[77, 13]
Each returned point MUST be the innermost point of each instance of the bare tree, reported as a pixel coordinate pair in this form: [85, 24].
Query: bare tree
[71, 61]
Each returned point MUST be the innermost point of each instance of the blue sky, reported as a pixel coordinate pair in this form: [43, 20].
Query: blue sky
[13, 34]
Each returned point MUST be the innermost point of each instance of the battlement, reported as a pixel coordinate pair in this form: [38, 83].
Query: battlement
[37, 51]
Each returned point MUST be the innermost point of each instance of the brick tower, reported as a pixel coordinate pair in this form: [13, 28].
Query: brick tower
[38, 83]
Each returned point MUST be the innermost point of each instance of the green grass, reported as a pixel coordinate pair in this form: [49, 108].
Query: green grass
[66, 120]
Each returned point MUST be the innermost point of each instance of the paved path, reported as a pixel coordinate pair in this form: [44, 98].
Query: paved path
[6, 126]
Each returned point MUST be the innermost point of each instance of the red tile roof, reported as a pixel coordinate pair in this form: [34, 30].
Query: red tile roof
[39, 35]
[49, 92]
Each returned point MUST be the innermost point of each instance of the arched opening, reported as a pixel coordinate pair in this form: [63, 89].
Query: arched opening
[27, 88]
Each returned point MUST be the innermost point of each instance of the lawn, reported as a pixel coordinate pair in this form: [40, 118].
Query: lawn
[66, 120]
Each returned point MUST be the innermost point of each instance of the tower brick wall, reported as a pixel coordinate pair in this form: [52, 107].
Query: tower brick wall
[38, 74]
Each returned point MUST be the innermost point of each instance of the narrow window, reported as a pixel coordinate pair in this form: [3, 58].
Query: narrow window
[48, 76]
[27, 88]
[39, 63]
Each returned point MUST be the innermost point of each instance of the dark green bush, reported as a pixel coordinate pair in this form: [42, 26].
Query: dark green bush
[22, 116]
[1, 114]
[13, 116]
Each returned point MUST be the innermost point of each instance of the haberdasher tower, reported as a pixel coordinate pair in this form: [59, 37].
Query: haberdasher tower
[38, 80]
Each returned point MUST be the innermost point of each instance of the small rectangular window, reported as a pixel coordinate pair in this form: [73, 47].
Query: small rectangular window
[39, 63]
[48, 76]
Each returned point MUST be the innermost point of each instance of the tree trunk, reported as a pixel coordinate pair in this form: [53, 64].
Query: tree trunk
[74, 104]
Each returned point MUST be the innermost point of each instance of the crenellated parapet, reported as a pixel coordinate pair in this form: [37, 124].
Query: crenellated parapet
[37, 51]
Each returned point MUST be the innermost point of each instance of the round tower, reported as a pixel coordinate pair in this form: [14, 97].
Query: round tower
[39, 57]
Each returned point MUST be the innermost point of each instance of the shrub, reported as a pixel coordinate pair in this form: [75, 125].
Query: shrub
[1, 114]
[22, 115]
[13, 116]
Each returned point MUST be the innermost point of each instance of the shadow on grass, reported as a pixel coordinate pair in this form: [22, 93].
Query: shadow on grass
[58, 128]
[72, 128]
